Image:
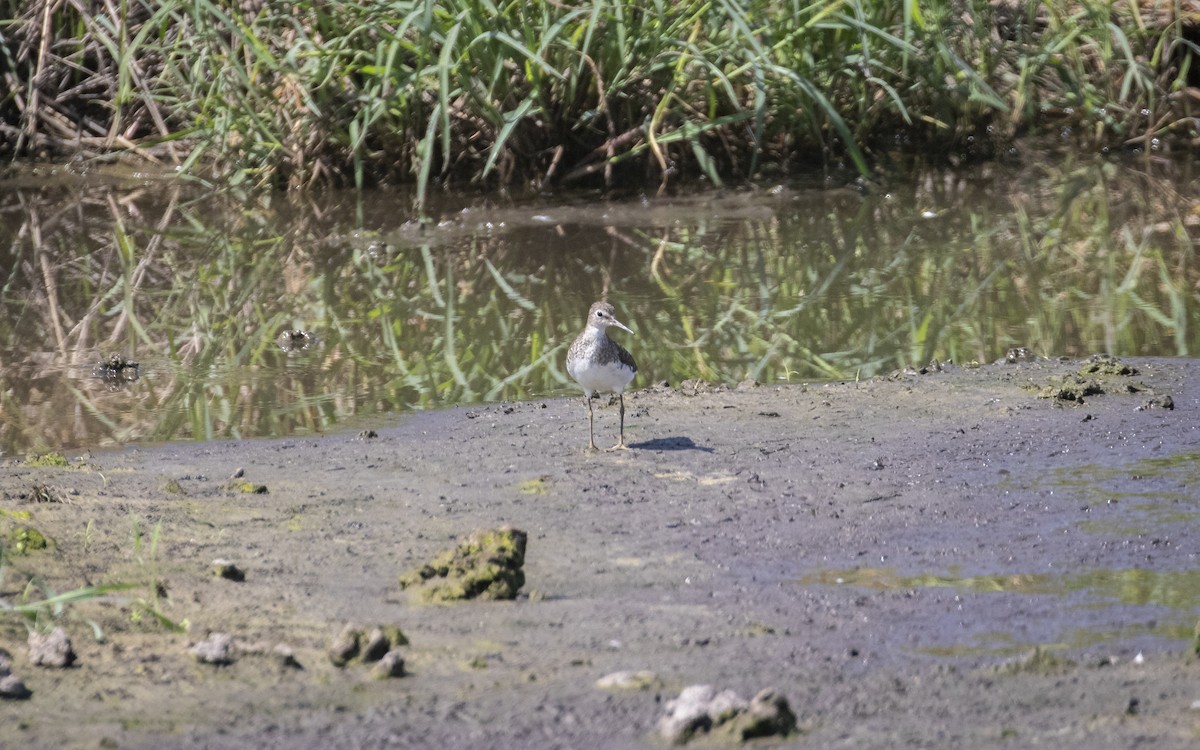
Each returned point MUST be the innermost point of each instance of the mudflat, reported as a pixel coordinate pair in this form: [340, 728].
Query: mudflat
[966, 557]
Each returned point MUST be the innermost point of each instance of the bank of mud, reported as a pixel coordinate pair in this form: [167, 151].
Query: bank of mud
[886, 554]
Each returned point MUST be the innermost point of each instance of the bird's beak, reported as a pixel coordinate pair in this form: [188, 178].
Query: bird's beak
[622, 326]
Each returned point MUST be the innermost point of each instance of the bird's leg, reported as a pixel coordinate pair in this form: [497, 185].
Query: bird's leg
[620, 446]
[587, 397]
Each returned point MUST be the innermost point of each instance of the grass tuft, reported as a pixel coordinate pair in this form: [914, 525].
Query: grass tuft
[610, 91]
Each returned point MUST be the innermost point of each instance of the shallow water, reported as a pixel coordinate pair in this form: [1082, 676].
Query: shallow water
[1135, 607]
[793, 282]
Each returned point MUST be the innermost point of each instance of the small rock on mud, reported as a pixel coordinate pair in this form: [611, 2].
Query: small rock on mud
[51, 649]
[285, 656]
[390, 665]
[687, 714]
[1159, 402]
[228, 570]
[355, 644]
[489, 565]
[629, 680]
[216, 649]
[345, 646]
[375, 646]
[696, 387]
[701, 709]
[11, 687]
[280, 653]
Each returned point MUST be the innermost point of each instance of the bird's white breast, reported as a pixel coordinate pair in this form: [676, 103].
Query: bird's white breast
[611, 376]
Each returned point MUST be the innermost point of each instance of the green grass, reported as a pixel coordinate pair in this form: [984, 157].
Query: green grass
[535, 94]
[39, 607]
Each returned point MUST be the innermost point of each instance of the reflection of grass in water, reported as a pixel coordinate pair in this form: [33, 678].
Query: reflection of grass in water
[1145, 517]
[1176, 589]
[1153, 492]
[804, 286]
[1000, 643]
[1181, 468]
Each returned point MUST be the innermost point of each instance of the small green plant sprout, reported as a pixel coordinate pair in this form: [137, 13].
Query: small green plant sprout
[150, 607]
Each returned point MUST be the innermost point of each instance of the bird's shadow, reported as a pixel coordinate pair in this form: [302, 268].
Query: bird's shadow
[678, 443]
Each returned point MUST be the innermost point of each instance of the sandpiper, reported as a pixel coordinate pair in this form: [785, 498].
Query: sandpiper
[600, 365]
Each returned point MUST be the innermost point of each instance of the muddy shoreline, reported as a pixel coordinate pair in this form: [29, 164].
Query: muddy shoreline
[884, 553]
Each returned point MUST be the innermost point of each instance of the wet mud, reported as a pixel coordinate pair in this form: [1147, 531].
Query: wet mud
[958, 558]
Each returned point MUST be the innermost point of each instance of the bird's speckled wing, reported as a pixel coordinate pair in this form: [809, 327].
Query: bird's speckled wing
[625, 357]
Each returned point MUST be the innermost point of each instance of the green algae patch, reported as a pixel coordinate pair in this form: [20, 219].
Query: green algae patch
[25, 539]
[1040, 660]
[539, 486]
[1096, 376]
[768, 715]
[1106, 366]
[51, 460]
[247, 488]
[1072, 388]
[488, 565]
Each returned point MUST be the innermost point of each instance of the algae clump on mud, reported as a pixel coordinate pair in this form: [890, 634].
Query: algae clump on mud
[488, 565]
[50, 460]
[1072, 388]
[246, 488]
[1101, 374]
[26, 539]
[1106, 365]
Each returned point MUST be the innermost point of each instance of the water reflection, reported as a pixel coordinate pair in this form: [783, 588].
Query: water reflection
[1136, 587]
[780, 284]
[1155, 493]
[1114, 589]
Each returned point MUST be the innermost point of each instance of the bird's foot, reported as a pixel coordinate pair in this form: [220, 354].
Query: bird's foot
[619, 447]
